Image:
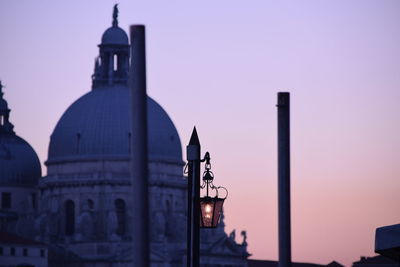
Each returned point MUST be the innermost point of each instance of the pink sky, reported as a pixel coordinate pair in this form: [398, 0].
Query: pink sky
[218, 65]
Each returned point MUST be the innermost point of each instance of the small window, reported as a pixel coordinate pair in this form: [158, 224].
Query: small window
[115, 62]
[6, 200]
[1, 250]
[12, 251]
[42, 253]
[25, 252]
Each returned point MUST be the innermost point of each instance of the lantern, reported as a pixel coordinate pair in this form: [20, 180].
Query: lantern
[210, 207]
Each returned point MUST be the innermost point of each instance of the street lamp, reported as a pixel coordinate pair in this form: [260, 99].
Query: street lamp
[210, 207]
[201, 212]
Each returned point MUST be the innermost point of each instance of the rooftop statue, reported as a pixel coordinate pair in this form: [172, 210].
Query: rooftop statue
[115, 15]
[244, 234]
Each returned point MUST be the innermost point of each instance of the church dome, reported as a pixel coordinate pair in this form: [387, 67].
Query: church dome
[114, 35]
[19, 164]
[97, 126]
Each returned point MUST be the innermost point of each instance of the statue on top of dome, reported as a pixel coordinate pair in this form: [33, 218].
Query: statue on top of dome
[115, 16]
[5, 125]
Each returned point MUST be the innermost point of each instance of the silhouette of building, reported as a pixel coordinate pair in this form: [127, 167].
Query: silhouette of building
[376, 261]
[82, 208]
[266, 263]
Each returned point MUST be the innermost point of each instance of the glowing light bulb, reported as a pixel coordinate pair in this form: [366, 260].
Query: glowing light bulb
[208, 211]
[208, 208]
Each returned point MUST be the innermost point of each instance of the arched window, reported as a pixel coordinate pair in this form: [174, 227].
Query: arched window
[69, 208]
[121, 216]
[115, 62]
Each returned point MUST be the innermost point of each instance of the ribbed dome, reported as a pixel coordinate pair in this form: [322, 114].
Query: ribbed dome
[114, 35]
[19, 164]
[97, 126]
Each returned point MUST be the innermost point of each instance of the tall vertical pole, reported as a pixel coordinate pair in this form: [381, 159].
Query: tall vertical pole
[189, 227]
[139, 153]
[193, 157]
[285, 257]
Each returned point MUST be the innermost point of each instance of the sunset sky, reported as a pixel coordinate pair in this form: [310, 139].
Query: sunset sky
[219, 65]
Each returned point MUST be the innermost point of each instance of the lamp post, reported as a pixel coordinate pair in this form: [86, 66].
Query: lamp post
[193, 227]
[203, 212]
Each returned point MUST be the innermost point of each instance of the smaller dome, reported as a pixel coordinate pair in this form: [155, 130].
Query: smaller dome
[19, 164]
[114, 35]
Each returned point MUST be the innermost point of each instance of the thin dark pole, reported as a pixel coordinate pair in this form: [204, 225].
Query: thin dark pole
[285, 258]
[193, 157]
[139, 153]
[189, 214]
[196, 213]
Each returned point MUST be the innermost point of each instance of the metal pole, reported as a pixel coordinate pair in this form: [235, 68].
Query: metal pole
[139, 153]
[193, 157]
[285, 258]
[196, 213]
[189, 213]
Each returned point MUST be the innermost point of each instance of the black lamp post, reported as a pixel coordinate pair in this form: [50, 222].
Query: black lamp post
[202, 212]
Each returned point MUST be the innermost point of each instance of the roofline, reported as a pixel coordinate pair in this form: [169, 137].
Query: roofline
[20, 240]
[72, 159]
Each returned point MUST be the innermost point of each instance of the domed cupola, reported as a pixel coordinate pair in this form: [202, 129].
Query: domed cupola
[114, 35]
[19, 164]
[112, 65]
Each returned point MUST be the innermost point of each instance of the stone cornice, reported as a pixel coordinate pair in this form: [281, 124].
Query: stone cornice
[88, 158]
[77, 181]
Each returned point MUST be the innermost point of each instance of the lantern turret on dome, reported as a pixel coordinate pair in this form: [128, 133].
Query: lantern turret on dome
[5, 125]
[112, 65]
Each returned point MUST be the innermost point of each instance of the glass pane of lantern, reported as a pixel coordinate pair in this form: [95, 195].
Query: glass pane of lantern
[207, 211]
[217, 210]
